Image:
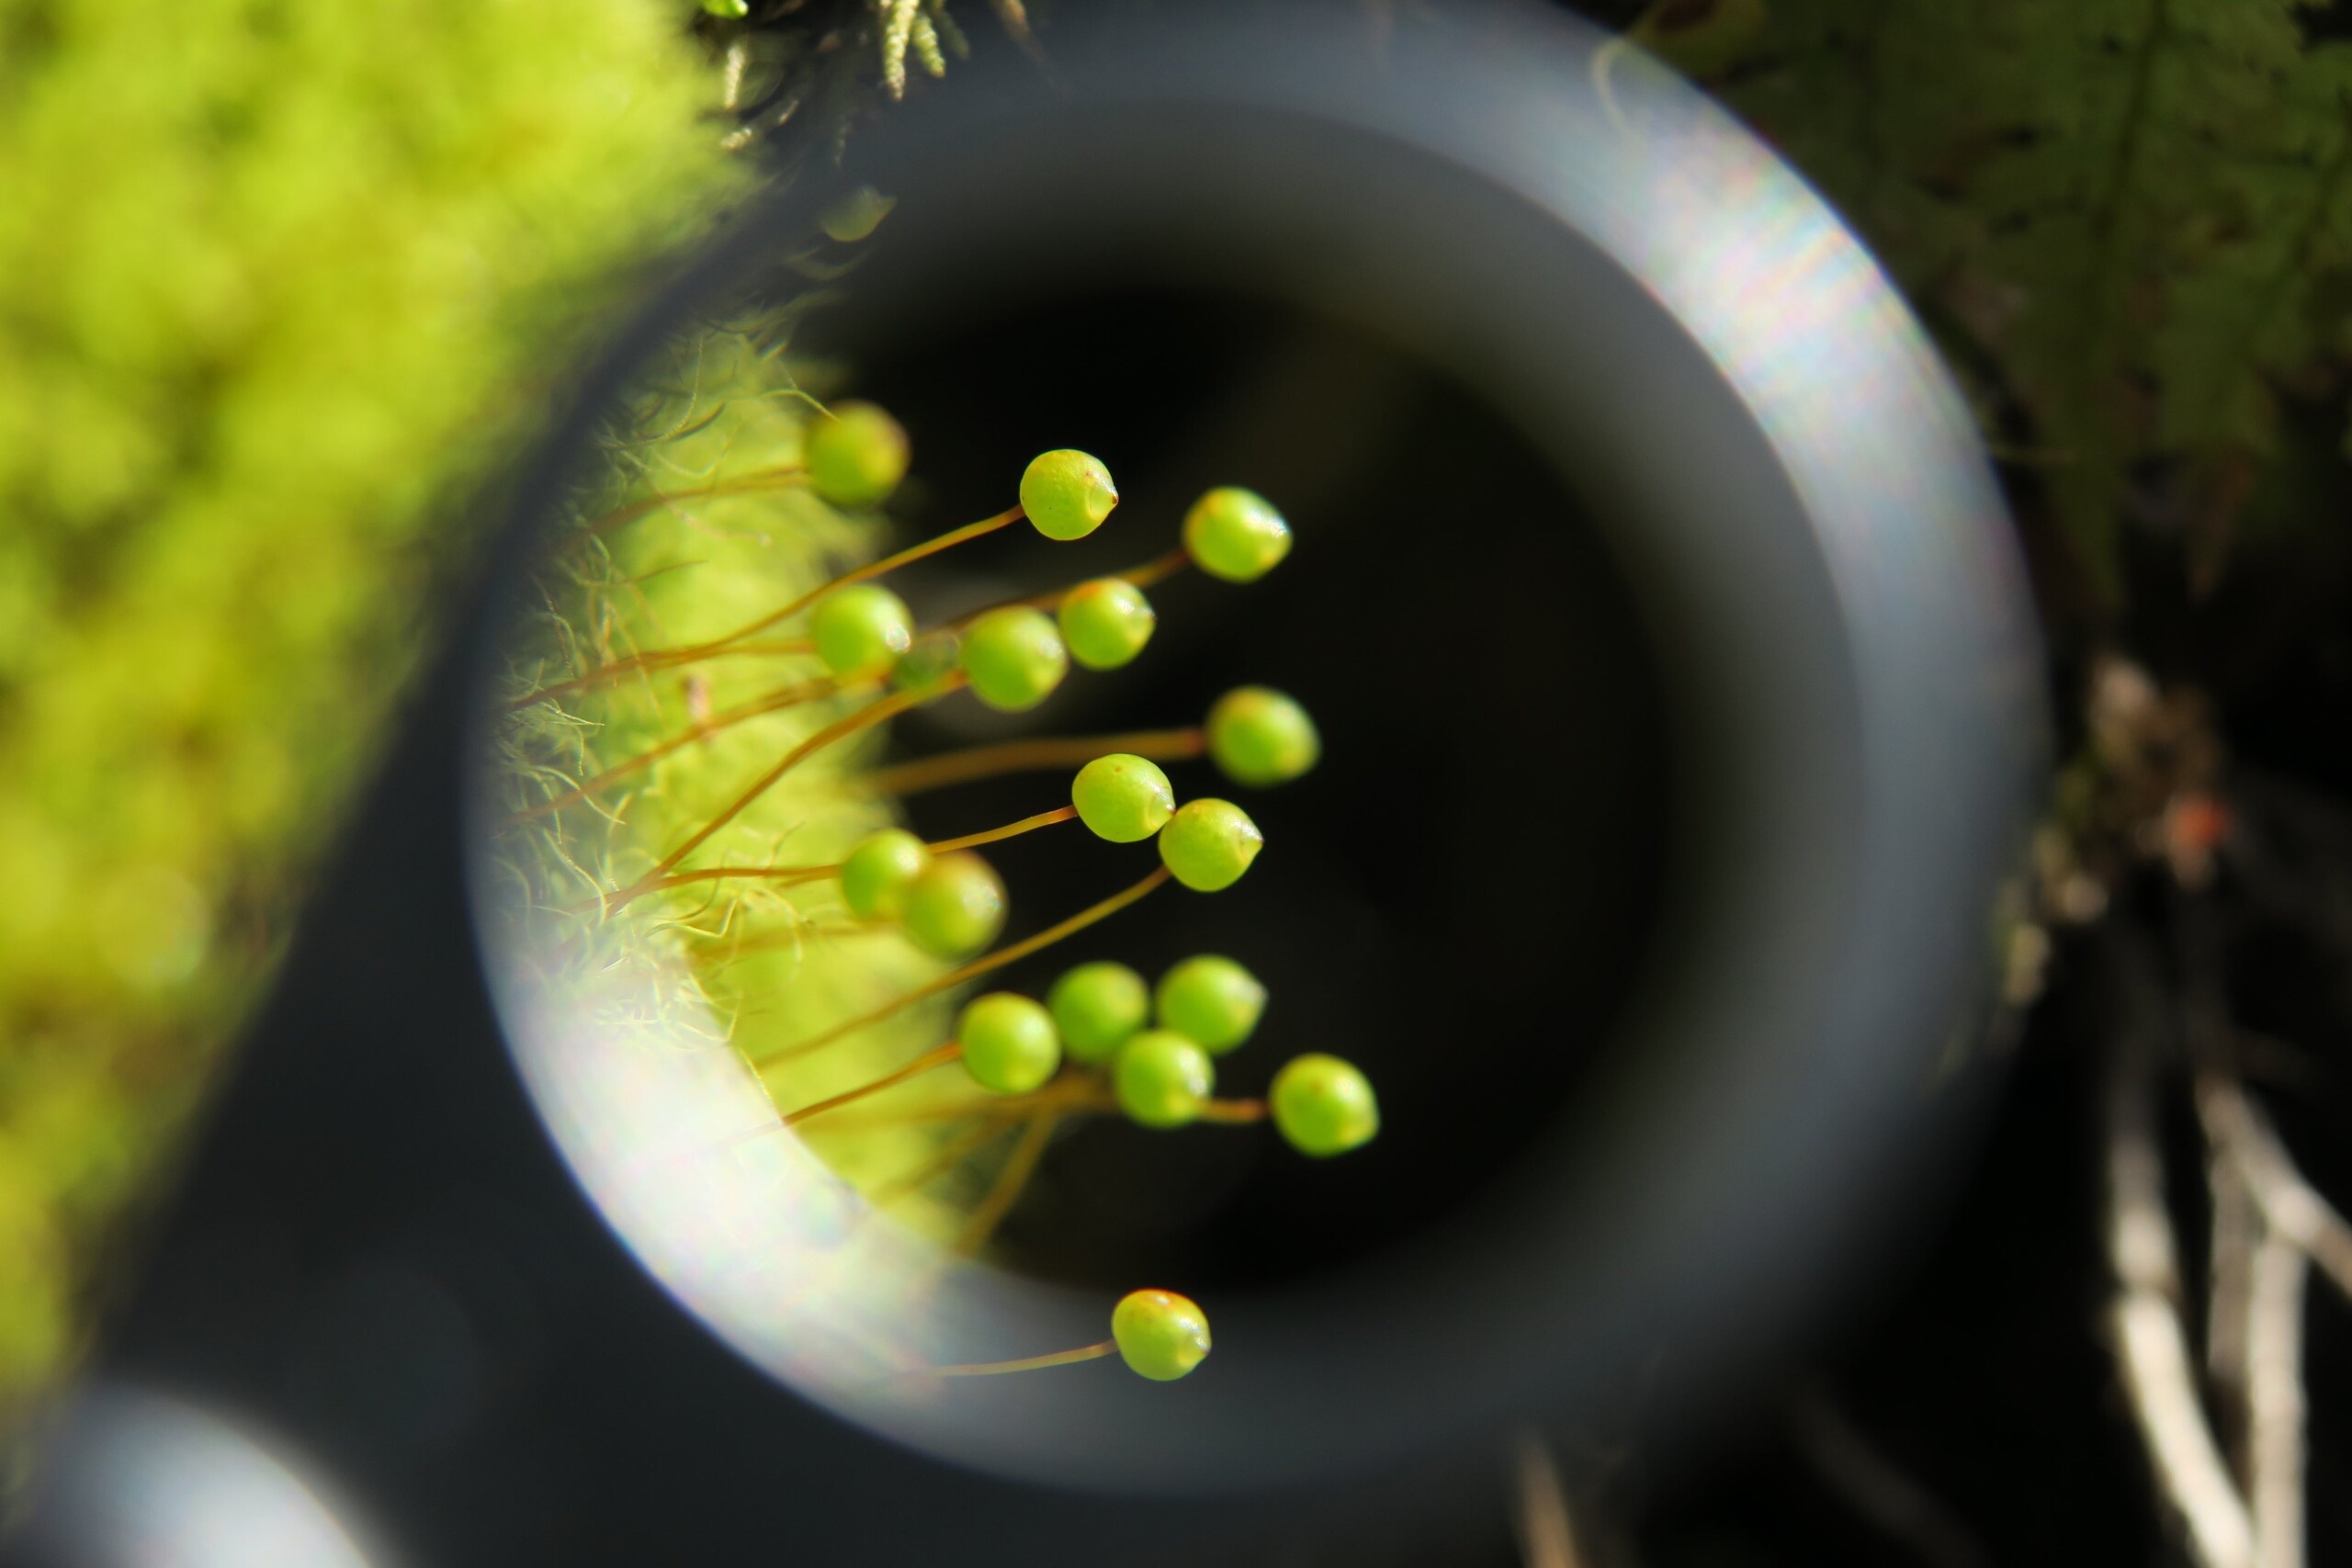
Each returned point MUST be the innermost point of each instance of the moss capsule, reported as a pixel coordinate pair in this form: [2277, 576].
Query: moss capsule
[877, 873]
[1099, 1008]
[1324, 1106]
[1211, 1001]
[1209, 843]
[954, 907]
[855, 454]
[1235, 534]
[1122, 797]
[1067, 493]
[1161, 1079]
[1160, 1335]
[1260, 737]
[1106, 622]
[1010, 1044]
[1015, 658]
[861, 630]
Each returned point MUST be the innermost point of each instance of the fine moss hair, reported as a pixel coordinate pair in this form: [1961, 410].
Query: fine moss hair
[604, 777]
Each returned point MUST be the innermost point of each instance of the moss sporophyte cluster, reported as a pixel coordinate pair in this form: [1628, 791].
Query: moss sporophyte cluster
[694, 795]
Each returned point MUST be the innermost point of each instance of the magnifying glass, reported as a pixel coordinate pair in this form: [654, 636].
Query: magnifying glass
[1552, 638]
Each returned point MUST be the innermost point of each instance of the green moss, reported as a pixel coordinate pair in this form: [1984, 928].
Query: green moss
[282, 282]
[761, 963]
[2127, 221]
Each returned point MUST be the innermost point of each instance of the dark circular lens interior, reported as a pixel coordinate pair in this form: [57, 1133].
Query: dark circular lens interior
[1459, 898]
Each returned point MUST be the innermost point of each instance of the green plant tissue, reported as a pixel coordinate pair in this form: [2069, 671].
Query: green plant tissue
[278, 283]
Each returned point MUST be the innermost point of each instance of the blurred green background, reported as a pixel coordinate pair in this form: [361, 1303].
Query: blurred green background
[281, 283]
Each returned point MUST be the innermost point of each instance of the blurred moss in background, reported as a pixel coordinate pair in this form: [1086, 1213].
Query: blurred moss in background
[278, 282]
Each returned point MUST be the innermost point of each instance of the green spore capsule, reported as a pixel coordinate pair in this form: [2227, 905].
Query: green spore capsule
[954, 907]
[727, 10]
[1160, 1335]
[1260, 737]
[1235, 534]
[875, 876]
[1106, 622]
[1010, 1044]
[1211, 1001]
[862, 630]
[1324, 1106]
[1123, 798]
[1067, 493]
[855, 456]
[1099, 1008]
[1209, 843]
[929, 662]
[1015, 658]
[855, 215]
[1161, 1079]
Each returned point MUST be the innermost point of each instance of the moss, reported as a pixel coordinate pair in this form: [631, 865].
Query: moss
[283, 282]
[763, 964]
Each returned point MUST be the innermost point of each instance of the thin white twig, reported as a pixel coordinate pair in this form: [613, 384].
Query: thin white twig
[2301, 1228]
[2229, 1285]
[2156, 1376]
[2151, 1344]
[2274, 1346]
[2238, 1128]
